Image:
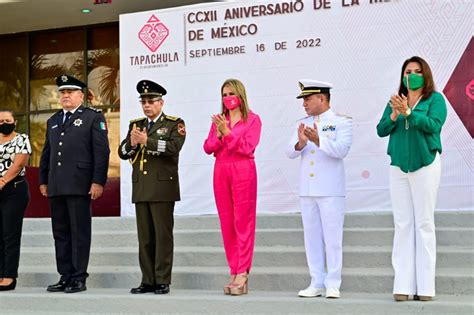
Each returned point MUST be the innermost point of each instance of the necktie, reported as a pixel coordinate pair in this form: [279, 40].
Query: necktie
[150, 125]
[66, 117]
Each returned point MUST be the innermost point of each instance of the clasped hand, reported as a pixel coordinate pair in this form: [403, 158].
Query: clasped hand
[138, 137]
[222, 128]
[306, 133]
[399, 105]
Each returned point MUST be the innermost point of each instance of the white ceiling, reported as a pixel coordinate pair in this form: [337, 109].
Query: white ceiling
[31, 15]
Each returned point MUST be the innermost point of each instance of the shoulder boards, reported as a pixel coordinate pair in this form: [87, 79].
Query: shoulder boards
[302, 118]
[94, 109]
[172, 118]
[137, 120]
[343, 115]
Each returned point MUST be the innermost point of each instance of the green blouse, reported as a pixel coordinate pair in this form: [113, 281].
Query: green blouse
[414, 141]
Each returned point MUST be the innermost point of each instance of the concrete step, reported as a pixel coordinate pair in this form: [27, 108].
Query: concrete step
[458, 281]
[446, 236]
[264, 221]
[279, 260]
[274, 256]
[118, 301]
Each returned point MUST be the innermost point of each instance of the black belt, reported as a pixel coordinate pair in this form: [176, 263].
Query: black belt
[17, 180]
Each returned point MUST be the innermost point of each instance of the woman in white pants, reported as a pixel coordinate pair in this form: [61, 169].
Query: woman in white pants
[413, 119]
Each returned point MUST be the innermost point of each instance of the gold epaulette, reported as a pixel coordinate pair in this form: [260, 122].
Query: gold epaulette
[302, 118]
[94, 109]
[135, 120]
[343, 115]
[172, 118]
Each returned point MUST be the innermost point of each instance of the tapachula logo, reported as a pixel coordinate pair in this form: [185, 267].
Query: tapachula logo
[153, 33]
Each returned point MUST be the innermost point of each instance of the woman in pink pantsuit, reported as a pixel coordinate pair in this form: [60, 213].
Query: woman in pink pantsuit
[233, 137]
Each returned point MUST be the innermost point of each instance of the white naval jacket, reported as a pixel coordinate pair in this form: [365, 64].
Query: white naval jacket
[322, 168]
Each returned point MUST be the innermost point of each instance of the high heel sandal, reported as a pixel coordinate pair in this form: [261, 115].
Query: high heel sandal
[229, 285]
[239, 289]
[9, 287]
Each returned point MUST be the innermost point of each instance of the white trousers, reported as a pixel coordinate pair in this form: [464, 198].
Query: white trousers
[414, 245]
[323, 221]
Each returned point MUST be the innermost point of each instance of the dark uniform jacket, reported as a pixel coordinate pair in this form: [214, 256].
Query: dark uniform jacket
[155, 166]
[75, 155]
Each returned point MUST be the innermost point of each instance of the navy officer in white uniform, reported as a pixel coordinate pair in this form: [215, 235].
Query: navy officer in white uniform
[322, 140]
[73, 171]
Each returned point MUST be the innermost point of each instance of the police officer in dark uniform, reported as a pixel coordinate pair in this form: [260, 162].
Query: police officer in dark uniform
[152, 145]
[73, 170]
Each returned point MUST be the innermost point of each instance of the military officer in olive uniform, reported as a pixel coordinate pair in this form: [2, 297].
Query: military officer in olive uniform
[73, 170]
[152, 145]
[322, 140]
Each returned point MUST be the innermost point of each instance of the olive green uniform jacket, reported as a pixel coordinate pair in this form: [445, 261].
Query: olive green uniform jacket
[155, 166]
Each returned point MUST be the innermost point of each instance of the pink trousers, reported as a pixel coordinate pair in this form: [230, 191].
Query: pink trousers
[235, 191]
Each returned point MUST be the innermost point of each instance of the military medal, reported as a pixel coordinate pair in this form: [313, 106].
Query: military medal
[162, 131]
[329, 128]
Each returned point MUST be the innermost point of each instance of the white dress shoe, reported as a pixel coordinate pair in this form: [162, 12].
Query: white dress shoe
[311, 292]
[333, 293]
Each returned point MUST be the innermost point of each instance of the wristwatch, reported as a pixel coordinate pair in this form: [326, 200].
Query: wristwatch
[408, 112]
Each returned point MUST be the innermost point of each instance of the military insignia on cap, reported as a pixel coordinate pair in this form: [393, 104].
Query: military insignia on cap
[67, 82]
[77, 122]
[309, 87]
[147, 88]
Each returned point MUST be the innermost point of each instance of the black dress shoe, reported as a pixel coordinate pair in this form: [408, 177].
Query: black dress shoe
[58, 287]
[9, 287]
[76, 286]
[162, 289]
[143, 288]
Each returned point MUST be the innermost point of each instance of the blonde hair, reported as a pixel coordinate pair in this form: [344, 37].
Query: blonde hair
[239, 89]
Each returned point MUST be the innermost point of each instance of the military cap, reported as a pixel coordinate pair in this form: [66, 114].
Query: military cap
[147, 88]
[67, 82]
[309, 87]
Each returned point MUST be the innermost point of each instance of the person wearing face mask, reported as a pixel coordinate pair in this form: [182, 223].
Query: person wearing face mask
[413, 119]
[322, 140]
[153, 144]
[233, 138]
[15, 150]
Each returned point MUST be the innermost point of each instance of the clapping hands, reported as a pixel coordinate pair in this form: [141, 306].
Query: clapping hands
[222, 128]
[399, 105]
[138, 137]
[306, 133]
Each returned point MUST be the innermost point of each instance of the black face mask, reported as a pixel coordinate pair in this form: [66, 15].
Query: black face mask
[7, 129]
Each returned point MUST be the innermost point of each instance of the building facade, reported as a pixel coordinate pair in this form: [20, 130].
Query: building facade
[30, 62]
